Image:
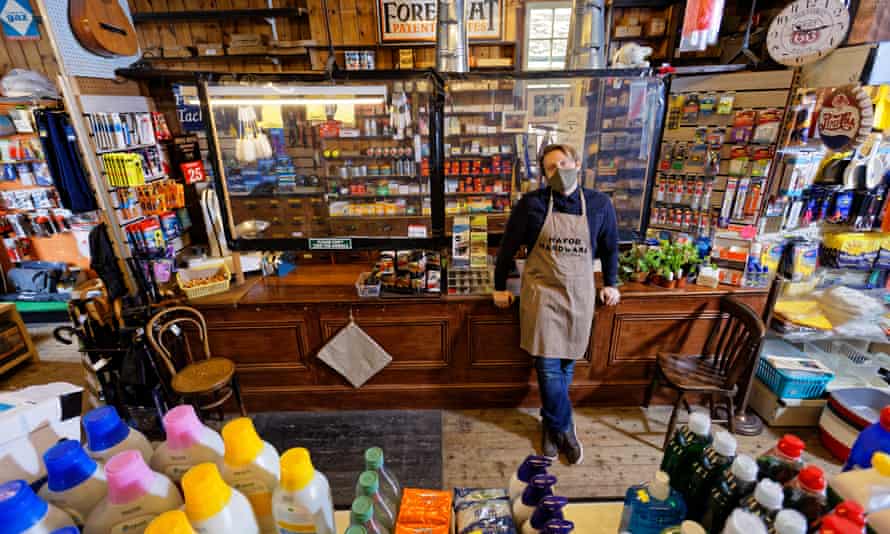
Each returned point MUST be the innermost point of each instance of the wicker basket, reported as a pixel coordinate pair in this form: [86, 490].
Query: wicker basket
[186, 275]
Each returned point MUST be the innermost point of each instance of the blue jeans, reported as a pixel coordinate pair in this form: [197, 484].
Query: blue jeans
[554, 378]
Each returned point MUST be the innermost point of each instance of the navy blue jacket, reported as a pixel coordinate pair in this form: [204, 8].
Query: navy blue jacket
[527, 219]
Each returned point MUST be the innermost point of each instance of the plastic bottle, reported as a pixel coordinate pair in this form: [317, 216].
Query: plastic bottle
[853, 511]
[548, 509]
[686, 527]
[766, 501]
[742, 522]
[389, 484]
[651, 508]
[136, 495]
[355, 529]
[172, 522]
[251, 466]
[782, 462]
[531, 466]
[23, 512]
[790, 522]
[66, 530]
[212, 506]
[559, 526]
[730, 488]
[75, 482]
[806, 494]
[540, 486]
[832, 524]
[108, 435]
[384, 510]
[302, 503]
[868, 487]
[718, 457]
[685, 448]
[189, 443]
[362, 514]
[874, 438]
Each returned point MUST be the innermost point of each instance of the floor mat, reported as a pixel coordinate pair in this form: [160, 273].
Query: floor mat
[411, 441]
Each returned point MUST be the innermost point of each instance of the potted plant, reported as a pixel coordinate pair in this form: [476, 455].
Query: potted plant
[634, 265]
[690, 261]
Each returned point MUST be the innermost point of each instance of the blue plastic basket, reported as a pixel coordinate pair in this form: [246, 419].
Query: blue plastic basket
[791, 384]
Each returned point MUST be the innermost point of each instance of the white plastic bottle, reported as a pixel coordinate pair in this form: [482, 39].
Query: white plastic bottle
[212, 506]
[189, 443]
[136, 495]
[743, 522]
[548, 509]
[531, 466]
[75, 482]
[302, 503]
[172, 522]
[23, 512]
[108, 435]
[251, 466]
[540, 486]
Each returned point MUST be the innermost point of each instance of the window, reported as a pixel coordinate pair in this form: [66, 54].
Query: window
[547, 35]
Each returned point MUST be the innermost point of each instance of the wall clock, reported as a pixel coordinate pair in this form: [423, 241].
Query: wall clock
[806, 31]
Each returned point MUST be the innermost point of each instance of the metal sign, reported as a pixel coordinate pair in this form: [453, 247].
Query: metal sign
[336, 243]
[189, 116]
[414, 21]
[18, 20]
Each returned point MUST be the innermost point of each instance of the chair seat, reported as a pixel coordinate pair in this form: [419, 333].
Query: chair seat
[204, 376]
[691, 373]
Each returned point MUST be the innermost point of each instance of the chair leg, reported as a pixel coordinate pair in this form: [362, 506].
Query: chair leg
[711, 410]
[673, 422]
[236, 389]
[650, 389]
[731, 415]
[686, 405]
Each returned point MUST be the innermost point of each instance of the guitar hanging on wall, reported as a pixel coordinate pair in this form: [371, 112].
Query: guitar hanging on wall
[102, 27]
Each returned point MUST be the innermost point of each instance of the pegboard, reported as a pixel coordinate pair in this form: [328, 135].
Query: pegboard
[77, 60]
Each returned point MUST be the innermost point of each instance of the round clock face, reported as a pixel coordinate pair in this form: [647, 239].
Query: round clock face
[807, 30]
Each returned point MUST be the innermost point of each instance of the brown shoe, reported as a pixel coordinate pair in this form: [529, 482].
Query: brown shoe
[570, 446]
[549, 448]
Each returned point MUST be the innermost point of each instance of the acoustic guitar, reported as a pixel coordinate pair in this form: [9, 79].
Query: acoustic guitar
[102, 27]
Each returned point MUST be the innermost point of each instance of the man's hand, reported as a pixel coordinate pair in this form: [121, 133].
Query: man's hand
[610, 295]
[502, 299]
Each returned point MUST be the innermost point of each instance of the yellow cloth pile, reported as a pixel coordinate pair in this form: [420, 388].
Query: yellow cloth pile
[803, 312]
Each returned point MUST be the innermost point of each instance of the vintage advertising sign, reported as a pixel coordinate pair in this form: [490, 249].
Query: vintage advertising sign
[18, 20]
[411, 21]
[845, 119]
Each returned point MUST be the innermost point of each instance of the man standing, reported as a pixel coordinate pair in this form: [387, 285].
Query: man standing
[564, 227]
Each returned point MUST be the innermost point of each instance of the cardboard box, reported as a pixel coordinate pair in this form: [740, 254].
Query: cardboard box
[177, 52]
[244, 39]
[245, 50]
[210, 49]
[628, 31]
[494, 62]
[33, 420]
[784, 412]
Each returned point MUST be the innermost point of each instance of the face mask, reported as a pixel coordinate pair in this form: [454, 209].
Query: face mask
[563, 180]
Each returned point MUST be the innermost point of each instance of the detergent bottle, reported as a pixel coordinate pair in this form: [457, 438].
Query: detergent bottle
[874, 438]
[22, 511]
[212, 506]
[549, 508]
[75, 482]
[384, 510]
[806, 494]
[302, 503]
[833, 524]
[766, 501]
[743, 522]
[362, 515]
[730, 488]
[108, 435]
[172, 522]
[686, 527]
[136, 495]
[685, 448]
[718, 457]
[251, 466]
[389, 484]
[868, 487]
[189, 443]
[782, 462]
[790, 522]
[541, 486]
[653, 507]
[531, 466]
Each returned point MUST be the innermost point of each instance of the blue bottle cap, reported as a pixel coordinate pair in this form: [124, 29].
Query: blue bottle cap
[66, 530]
[559, 526]
[67, 465]
[104, 428]
[531, 466]
[538, 488]
[20, 507]
[548, 509]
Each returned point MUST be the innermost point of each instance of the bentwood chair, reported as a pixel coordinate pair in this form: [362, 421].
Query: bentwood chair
[725, 366]
[206, 382]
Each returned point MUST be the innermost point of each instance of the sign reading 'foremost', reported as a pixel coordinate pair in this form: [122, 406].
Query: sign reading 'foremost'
[407, 21]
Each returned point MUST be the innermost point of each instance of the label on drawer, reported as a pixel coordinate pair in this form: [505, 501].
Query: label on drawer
[330, 244]
[417, 230]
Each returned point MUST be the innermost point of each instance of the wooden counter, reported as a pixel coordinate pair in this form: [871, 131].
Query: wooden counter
[454, 352]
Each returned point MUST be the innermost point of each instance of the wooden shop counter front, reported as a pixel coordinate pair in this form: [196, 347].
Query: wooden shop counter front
[448, 352]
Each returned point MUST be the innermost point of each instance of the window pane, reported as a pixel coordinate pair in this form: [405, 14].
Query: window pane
[540, 23]
[561, 22]
[538, 50]
[559, 48]
[538, 65]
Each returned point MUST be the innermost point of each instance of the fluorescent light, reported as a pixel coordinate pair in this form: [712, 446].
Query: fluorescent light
[287, 101]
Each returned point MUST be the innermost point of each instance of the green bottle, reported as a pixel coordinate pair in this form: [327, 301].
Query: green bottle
[685, 448]
[731, 487]
[717, 458]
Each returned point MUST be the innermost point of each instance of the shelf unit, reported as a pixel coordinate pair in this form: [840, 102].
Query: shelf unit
[165, 17]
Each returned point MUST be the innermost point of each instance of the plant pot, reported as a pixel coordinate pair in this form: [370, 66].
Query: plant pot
[640, 277]
[661, 281]
[680, 282]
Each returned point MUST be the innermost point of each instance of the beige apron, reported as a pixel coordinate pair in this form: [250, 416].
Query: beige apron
[557, 297]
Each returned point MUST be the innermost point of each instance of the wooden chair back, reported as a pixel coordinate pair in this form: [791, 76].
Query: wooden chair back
[171, 327]
[733, 343]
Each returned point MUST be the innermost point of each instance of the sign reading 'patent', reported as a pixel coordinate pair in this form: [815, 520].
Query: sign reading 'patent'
[410, 21]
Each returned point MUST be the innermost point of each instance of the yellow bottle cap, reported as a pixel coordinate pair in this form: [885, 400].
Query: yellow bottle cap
[172, 522]
[242, 442]
[205, 492]
[881, 462]
[296, 469]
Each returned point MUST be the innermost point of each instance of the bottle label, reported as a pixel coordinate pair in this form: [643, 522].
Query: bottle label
[256, 491]
[135, 524]
[294, 519]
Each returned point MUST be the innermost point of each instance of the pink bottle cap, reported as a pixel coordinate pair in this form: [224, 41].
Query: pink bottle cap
[128, 477]
[183, 427]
